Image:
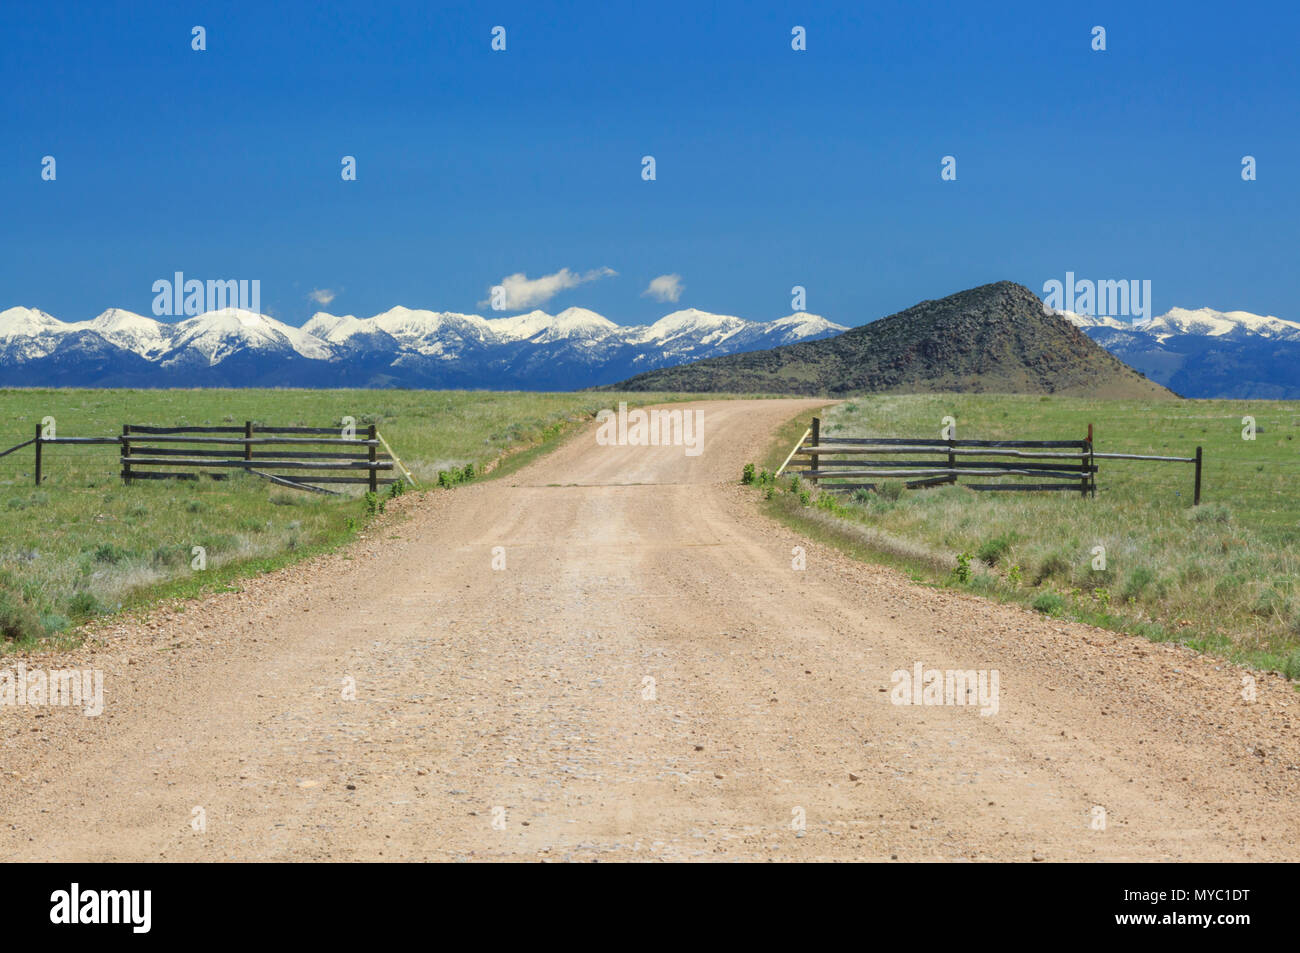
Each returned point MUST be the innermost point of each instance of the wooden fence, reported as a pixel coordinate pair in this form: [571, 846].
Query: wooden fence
[836, 463]
[299, 457]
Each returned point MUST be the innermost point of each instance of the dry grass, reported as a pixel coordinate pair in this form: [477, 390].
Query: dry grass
[1223, 577]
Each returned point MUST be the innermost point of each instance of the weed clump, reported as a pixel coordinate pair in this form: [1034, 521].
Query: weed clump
[1048, 603]
[993, 551]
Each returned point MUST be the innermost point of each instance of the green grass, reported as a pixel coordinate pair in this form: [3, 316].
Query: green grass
[1223, 577]
[83, 544]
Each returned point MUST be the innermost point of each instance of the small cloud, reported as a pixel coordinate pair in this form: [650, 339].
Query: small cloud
[664, 288]
[323, 296]
[518, 291]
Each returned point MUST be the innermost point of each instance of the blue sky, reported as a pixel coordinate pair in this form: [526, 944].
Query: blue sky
[775, 168]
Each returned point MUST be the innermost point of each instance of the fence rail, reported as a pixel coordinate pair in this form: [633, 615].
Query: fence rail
[140, 453]
[829, 463]
[186, 452]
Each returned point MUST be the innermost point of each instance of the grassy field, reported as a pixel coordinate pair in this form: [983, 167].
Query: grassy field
[1222, 577]
[82, 543]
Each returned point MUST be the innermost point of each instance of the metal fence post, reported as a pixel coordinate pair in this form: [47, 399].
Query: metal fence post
[38, 454]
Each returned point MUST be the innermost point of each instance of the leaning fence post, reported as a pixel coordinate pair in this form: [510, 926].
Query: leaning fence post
[38, 454]
[1196, 494]
[126, 453]
[374, 456]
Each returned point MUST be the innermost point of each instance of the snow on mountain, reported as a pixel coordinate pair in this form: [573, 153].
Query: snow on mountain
[28, 334]
[540, 327]
[217, 335]
[1202, 321]
[400, 347]
[132, 332]
[702, 326]
[1094, 321]
[801, 324]
[27, 322]
[435, 333]
[335, 329]
[1211, 323]
[1206, 353]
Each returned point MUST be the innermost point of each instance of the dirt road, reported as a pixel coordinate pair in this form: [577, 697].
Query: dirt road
[646, 678]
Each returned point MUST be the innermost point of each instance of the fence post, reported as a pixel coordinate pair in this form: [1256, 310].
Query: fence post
[1196, 494]
[38, 454]
[952, 457]
[126, 452]
[816, 441]
[374, 456]
[1092, 473]
[1086, 459]
[248, 436]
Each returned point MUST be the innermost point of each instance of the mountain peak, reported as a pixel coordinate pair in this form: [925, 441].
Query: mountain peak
[994, 338]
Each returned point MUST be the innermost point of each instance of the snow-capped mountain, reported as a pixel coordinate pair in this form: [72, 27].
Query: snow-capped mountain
[1206, 353]
[401, 347]
[133, 332]
[29, 334]
[217, 335]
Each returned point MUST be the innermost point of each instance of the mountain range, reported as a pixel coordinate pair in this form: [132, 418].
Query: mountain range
[1207, 353]
[997, 338]
[399, 348]
[1196, 353]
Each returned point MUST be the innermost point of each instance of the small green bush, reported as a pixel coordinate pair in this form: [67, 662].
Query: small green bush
[1048, 603]
[108, 554]
[170, 556]
[18, 620]
[747, 475]
[992, 551]
[84, 604]
[1291, 667]
[890, 489]
[1055, 566]
[1138, 581]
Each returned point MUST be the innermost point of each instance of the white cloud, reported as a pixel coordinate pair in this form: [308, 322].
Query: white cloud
[323, 296]
[665, 288]
[520, 291]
